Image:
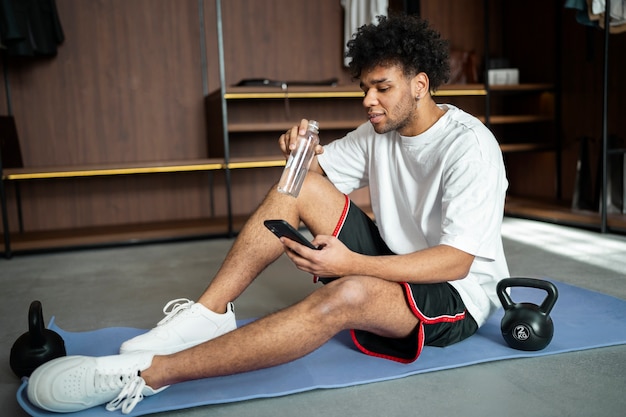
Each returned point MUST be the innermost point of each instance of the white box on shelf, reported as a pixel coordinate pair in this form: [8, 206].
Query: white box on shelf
[503, 76]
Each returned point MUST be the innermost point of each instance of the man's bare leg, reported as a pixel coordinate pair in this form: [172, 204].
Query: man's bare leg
[351, 302]
[319, 206]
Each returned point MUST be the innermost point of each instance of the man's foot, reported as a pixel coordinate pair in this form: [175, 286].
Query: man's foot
[186, 324]
[75, 383]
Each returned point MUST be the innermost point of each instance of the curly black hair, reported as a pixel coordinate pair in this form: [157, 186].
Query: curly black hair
[400, 40]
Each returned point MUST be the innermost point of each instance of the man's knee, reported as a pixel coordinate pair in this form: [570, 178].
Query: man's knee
[315, 183]
[347, 293]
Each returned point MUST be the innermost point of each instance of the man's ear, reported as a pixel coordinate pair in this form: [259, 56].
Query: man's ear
[420, 85]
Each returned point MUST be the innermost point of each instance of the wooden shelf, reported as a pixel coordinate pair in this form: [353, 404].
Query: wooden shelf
[352, 91]
[283, 126]
[112, 169]
[273, 92]
[519, 119]
[121, 235]
[238, 93]
[259, 162]
[526, 147]
[340, 91]
[512, 88]
[453, 90]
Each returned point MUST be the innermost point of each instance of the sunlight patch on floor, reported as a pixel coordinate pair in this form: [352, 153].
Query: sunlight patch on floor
[606, 251]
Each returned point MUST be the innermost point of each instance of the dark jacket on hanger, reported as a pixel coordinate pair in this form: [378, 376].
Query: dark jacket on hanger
[30, 27]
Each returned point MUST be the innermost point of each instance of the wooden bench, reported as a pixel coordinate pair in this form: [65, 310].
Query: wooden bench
[17, 175]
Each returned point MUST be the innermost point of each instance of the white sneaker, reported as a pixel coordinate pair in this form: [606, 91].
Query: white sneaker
[186, 324]
[75, 383]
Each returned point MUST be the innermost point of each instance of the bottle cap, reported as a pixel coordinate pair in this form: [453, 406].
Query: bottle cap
[314, 126]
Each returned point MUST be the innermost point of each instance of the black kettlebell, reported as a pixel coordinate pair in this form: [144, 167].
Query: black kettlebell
[37, 346]
[526, 326]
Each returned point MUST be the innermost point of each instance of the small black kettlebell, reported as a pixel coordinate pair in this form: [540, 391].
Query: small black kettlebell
[526, 326]
[37, 346]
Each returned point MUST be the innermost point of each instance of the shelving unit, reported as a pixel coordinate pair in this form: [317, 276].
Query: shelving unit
[522, 117]
[534, 103]
[272, 108]
[251, 118]
[582, 114]
[273, 97]
[525, 118]
[244, 122]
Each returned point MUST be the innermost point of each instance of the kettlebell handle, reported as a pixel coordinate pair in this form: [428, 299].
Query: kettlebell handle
[547, 286]
[35, 324]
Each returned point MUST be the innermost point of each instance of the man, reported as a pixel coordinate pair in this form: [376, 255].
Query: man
[425, 273]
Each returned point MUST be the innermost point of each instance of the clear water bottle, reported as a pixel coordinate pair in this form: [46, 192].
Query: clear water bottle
[299, 161]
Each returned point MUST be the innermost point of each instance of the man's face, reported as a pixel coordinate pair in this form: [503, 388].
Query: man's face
[389, 100]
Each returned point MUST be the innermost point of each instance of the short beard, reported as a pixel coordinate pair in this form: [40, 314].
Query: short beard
[407, 108]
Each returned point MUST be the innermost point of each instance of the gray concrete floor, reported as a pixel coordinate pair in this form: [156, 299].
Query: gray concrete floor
[128, 286]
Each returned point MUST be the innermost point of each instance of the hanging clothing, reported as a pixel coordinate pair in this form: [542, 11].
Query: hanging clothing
[617, 14]
[591, 13]
[30, 27]
[359, 13]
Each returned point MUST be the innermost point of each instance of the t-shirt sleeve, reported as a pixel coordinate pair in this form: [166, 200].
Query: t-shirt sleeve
[345, 161]
[473, 202]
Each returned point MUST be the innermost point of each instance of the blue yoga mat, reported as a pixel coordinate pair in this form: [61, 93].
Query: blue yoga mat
[583, 319]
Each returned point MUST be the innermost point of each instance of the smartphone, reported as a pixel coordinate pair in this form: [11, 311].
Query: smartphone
[281, 228]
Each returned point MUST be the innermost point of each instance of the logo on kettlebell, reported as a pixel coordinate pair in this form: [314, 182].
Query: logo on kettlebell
[521, 332]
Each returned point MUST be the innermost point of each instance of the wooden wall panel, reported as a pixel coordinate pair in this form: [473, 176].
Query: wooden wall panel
[283, 40]
[88, 202]
[125, 86]
[209, 12]
[461, 24]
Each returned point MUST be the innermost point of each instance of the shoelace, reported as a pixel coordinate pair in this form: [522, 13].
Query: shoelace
[131, 394]
[176, 306]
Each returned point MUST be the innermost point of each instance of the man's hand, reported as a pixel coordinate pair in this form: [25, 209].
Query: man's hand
[287, 141]
[333, 259]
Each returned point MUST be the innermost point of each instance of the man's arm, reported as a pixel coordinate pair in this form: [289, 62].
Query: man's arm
[437, 264]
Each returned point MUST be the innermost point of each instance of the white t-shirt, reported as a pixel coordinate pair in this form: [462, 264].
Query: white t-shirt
[444, 186]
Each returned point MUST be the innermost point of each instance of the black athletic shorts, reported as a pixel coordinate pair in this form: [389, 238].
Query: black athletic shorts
[443, 318]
